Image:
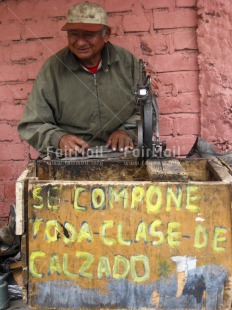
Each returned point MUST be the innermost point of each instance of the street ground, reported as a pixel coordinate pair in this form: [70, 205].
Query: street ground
[17, 304]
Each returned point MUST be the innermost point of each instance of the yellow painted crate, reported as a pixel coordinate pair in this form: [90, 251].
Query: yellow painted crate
[102, 234]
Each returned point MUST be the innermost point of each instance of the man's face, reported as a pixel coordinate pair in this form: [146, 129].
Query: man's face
[87, 45]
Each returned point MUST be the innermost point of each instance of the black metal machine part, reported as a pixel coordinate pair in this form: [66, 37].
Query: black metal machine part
[148, 137]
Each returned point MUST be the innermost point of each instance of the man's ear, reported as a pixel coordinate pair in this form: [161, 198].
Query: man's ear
[107, 35]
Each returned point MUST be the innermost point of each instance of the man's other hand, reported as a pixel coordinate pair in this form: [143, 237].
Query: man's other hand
[73, 146]
[120, 141]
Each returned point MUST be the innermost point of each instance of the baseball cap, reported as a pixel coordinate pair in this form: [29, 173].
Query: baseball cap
[86, 16]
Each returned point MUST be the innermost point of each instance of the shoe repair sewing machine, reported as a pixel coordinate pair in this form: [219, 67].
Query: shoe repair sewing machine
[149, 111]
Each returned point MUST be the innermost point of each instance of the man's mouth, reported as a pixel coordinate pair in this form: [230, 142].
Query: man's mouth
[83, 50]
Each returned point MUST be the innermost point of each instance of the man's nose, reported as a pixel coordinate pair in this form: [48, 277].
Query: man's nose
[80, 41]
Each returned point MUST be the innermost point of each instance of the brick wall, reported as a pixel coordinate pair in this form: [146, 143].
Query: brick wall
[215, 61]
[163, 33]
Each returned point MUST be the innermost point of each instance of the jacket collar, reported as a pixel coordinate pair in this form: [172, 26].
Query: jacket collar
[109, 56]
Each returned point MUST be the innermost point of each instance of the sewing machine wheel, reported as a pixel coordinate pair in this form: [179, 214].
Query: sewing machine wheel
[148, 128]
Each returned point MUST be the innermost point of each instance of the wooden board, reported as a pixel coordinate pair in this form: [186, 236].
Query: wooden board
[95, 170]
[166, 170]
[129, 245]
[219, 171]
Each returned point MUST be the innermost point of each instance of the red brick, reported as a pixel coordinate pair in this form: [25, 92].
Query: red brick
[60, 33]
[28, 51]
[55, 8]
[214, 129]
[21, 165]
[52, 46]
[44, 8]
[33, 153]
[179, 61]
[156, 44]
[186, 3]
[180, 82]
[41, 28]
[51, 8]
[5, 208]
[36, 9]
[135, 23]
[1, 191]
[13, 73]
[11, 170]
[131, 43]
[158, 4]
[25, 9]
[226, 129]
[186, 39]
[11, 112]
[186, 124]
[21, 91]
[100, 2]
[115, 22]
[10, 31]
[6, 94]
[3, 12]
[20, 10]
[5, 51]
[178, 19]
[12, 152]
[9, 191]
[34, 68]
[182, 103]
[166, 125]
[180, 145]
[7, 171]
[9, 133]
[118, 6]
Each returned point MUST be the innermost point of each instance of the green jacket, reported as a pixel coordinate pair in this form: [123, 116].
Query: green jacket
[67, 99]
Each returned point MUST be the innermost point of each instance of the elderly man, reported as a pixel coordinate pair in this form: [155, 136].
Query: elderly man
[84, 94]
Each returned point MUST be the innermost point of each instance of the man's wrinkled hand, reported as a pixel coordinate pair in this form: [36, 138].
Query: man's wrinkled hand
[72, 145]
[120, 141]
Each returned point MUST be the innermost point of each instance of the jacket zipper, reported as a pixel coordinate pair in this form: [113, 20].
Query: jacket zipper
[99, 111]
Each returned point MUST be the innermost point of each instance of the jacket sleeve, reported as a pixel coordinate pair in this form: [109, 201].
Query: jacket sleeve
[38, 126]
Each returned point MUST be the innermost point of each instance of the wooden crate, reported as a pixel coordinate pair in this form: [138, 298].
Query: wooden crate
[117, 235]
